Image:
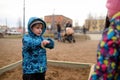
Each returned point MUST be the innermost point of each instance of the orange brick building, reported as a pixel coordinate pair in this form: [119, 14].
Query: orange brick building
[52, 20]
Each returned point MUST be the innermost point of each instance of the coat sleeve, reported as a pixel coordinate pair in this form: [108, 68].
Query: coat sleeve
[29, 43]
[51, 44]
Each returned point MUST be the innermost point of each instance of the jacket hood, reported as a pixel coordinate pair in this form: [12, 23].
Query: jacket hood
[30, 22]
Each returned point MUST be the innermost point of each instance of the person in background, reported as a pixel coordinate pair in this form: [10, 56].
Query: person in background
[108, 52]
[59, 31]
[34, 62]
[84, 30]
[68, 24]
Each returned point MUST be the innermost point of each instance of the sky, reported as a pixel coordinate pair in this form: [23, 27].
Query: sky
[11, 11]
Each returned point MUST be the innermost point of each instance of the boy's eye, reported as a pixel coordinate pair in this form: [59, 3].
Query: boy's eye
[39, 26]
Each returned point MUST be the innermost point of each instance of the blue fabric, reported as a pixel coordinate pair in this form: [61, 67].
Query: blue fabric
[34, 56]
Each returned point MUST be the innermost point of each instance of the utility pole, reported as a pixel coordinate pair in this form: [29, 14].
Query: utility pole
[53, 21]
[6, 22]
[23, 17]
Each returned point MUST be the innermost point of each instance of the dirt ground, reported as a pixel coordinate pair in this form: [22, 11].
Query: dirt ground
[82, 51]
[53, 73]
[10, 51]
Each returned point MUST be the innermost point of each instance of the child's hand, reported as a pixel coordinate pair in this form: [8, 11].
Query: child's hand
[45, 42]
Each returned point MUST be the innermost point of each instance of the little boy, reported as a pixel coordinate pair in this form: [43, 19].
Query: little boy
[33, 51]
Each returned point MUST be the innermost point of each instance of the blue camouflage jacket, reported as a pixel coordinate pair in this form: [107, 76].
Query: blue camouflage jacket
[34, 56]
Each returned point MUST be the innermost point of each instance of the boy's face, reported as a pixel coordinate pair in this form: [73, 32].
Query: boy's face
[37, 29]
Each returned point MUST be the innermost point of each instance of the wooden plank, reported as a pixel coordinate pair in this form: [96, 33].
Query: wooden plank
[9, 67]
[91, 71]
[69, 64]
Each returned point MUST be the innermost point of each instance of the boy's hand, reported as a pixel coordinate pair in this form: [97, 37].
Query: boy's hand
[45, 42]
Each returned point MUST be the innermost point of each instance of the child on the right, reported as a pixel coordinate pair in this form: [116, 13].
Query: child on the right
[108, 52]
